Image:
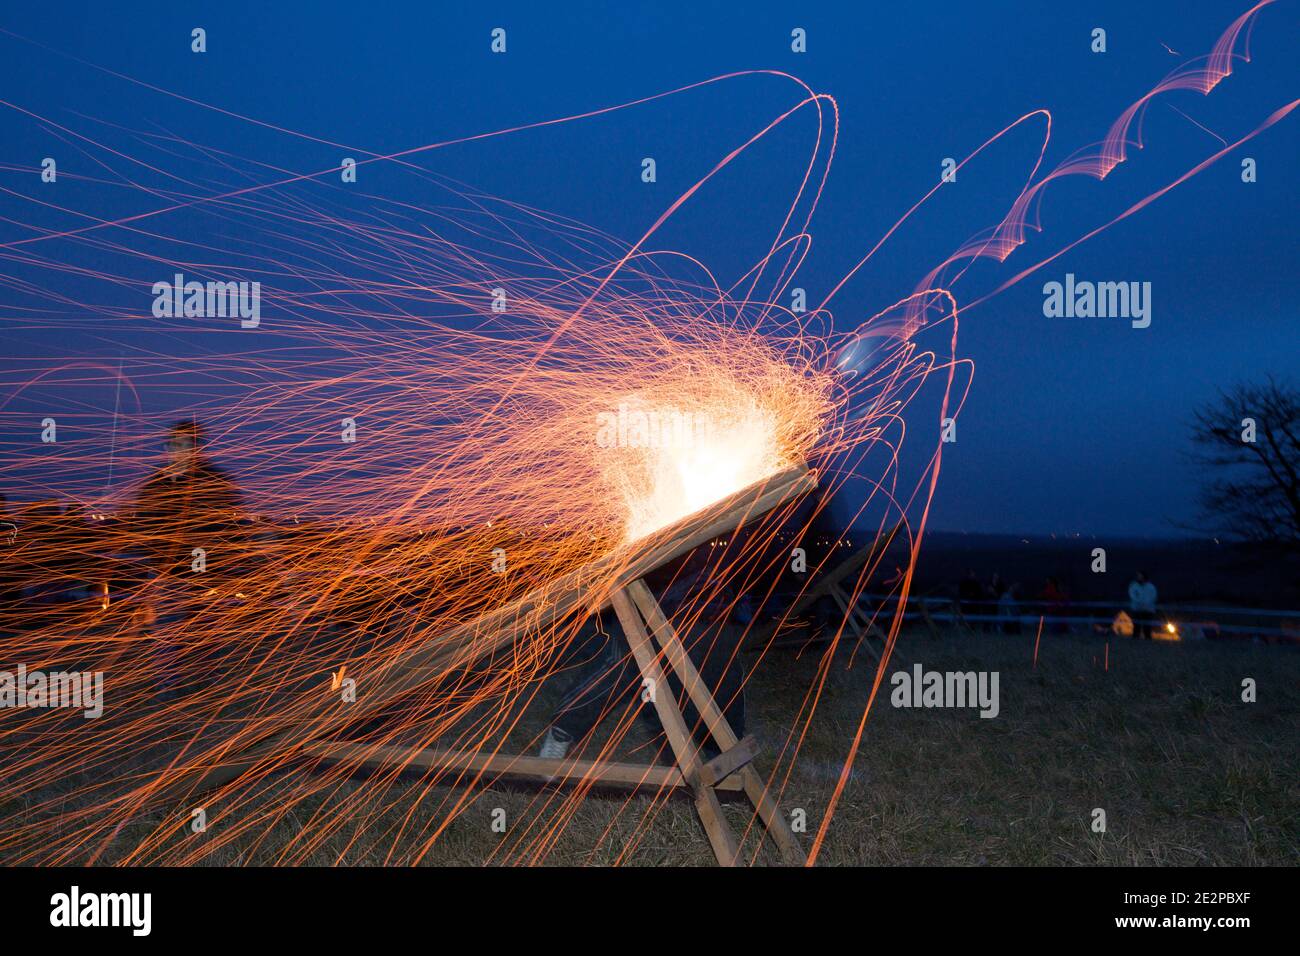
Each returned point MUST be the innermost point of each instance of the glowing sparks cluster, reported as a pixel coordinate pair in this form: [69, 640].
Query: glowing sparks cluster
[707, 438]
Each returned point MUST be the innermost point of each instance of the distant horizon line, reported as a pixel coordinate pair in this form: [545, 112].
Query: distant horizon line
[1089, 535]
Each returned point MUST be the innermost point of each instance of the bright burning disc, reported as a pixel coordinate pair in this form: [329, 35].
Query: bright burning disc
[669, 457]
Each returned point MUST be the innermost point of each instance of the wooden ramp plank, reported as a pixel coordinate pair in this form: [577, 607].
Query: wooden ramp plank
[516, 766]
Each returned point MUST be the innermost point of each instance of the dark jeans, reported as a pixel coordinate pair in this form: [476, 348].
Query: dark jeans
[1142, 624]
[612, 681]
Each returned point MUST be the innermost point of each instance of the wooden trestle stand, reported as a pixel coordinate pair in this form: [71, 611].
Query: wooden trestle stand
[657, 648]
[832, 583]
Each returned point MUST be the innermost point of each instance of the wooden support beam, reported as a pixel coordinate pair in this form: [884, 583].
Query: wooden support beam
[513, 766]
[826, 583]
[721, 767]
[755, 788]
[862, 627]
[680, 740]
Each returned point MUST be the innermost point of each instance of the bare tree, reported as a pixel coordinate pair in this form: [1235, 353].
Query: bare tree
[1248, 445]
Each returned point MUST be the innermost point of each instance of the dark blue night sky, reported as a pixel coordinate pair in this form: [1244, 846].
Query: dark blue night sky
[1073, 425]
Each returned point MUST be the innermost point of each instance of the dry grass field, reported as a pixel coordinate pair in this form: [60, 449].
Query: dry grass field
[1188, 774]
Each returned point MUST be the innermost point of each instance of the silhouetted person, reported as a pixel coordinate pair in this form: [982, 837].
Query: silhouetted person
[40, 562]
[1008, 611]
[1055, 603]
[969, 594]
[188, 503]
[8, 527]
[71, 545]
[1142, 605]
[186, 524]
[11, 583]
[992, 595]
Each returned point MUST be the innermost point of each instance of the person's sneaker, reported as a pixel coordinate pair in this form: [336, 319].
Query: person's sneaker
[556, 745]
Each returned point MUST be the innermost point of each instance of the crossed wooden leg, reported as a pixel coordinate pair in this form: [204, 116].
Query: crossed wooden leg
[637, 610]
[854, 618]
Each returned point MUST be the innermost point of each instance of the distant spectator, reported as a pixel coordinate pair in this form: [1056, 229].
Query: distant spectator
[40, 563]
[8, 529]
[72, 561]
[188, 507]
[1142, 605]
[992, 594]
[187, 503]
[11, 586]
[1008, 610]
[969, 595]
[1055, 604]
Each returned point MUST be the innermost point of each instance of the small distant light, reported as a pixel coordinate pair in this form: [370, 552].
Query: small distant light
[1169, 626]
